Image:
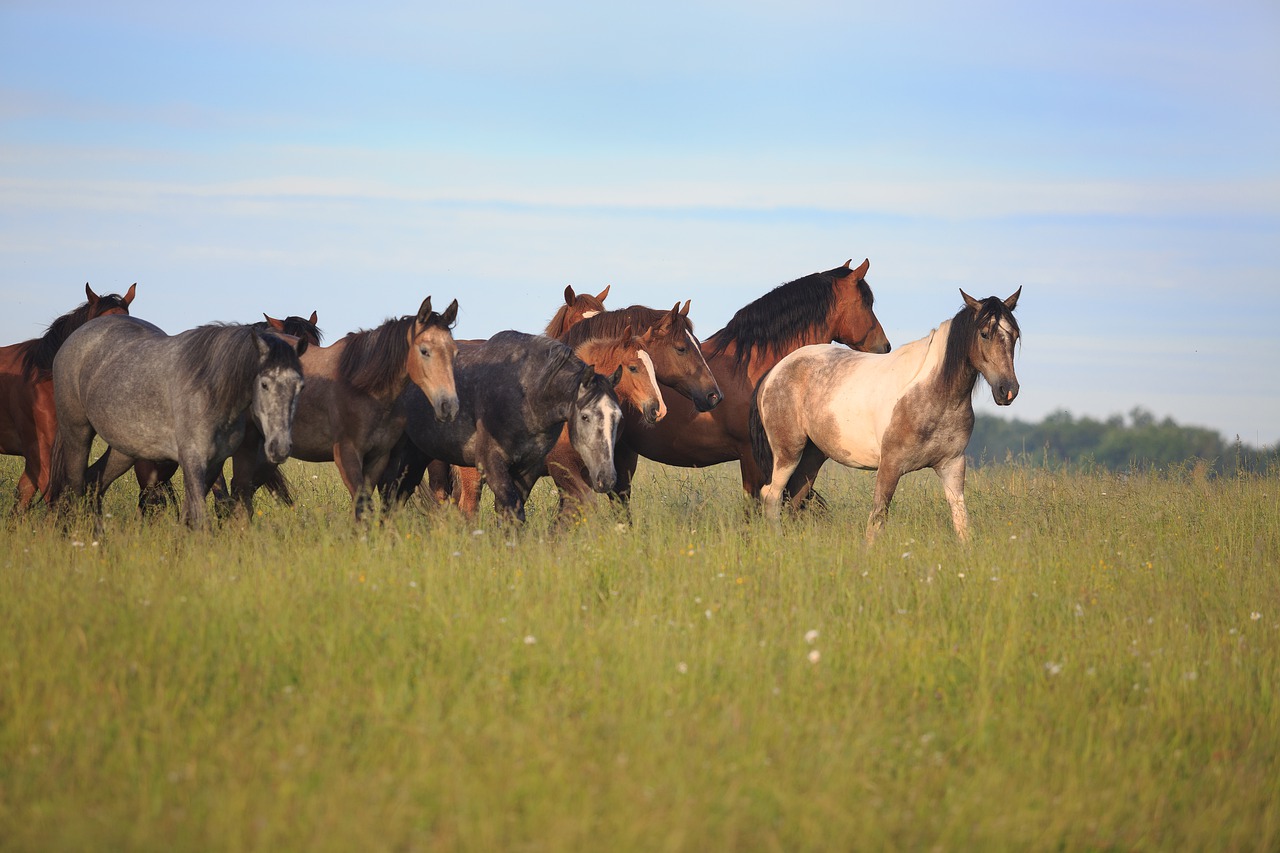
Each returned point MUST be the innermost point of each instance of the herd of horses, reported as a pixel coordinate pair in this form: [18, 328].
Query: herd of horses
[800, 375]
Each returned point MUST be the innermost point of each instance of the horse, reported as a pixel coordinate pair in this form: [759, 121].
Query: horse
[577, 306]
[623, 355]
[893, 413]
[155, 488]
[348, 412]
[835, 305]
[28, 421]
[185, 398]
[517, 393]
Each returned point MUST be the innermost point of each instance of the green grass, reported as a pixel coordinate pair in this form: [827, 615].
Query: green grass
[1099, 669]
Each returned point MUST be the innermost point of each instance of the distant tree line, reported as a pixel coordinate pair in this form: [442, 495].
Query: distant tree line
[1115, 444]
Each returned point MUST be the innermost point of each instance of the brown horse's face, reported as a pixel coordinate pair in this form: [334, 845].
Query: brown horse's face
[580, 306]
[678, 361]
[99, 307]
[992, 351]
[638, 383]
[855, 324]
[431, 355]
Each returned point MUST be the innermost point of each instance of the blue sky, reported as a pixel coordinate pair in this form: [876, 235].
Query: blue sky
[1118, 160]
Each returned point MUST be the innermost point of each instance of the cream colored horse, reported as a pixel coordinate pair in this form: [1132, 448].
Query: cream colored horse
[894, 413]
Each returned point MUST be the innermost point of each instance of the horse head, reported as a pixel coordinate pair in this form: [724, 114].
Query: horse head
[275, 391]
[432, 351]
[109, 303]
[993, 335]
[678, 360]
[594, 420]
[854, 323]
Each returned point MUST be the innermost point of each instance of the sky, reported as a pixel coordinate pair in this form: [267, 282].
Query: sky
[1119, 161]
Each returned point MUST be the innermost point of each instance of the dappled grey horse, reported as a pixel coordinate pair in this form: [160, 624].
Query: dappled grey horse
[516, 392]
[185, 398]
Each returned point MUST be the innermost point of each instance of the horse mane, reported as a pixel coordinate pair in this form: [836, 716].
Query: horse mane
[373, 359]
[965, 326]
[221, 360]
[783, 316]
[37, 357]
[556, 327]
[611, 324]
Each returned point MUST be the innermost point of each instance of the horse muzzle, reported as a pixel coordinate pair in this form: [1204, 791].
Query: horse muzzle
[1005, 392]
[708, 401]
[446, 408]
[605, 481]
[277, 450]
[653, 413]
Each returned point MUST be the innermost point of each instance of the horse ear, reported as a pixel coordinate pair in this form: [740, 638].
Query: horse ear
[260, 342]
[89, 294]
[450, 314]
[128, 297]
[685, 310]
[628, 333]
[301, 346]
[424, 311]
[861, 271]
[602, 294]
[569, 295]
[588, 374]
[616, 377]
[969, 300]
[1012, 301]
[278, 325]
[315, 318]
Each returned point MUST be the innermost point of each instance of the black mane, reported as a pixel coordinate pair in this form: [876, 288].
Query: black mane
[221, 360]
[37, 359]
[783, 316]
[611, 324]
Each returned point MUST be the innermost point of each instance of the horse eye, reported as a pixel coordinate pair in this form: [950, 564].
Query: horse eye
[634, 369]
[986, 336]
[424, 352]
[264, 385]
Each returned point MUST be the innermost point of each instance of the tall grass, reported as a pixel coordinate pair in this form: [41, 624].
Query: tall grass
[1098, 669]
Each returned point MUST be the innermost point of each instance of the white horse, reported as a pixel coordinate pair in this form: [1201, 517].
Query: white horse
[893, 413]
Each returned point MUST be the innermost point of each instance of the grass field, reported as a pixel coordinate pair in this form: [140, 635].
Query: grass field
[1099, 669]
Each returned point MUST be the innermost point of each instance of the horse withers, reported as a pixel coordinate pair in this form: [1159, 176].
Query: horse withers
[894, 413]
[185, 398]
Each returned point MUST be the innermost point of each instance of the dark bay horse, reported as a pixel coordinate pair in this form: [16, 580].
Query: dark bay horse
[185, 398]
[347, 411]
[820, 308]
[623, 357]
[155, 488]
[27, 419]
[517, 393]
[894, 413]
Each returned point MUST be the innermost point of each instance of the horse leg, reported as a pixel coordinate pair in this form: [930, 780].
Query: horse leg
[405, 468]
[351, 469]
[467, 488]
[564, 466]
[887, 477]
[951, 473]
[800, 484]
[69, 460]
[624, 462]
[197, 477]
[39, 450]
[508, 501]
[155, 484]
[108, 468]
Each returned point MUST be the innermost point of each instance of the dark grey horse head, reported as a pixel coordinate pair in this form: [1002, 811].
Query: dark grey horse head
[593, 425]
[275, 392]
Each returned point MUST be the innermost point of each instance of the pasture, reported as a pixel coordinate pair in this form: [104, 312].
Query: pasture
[1098, 669]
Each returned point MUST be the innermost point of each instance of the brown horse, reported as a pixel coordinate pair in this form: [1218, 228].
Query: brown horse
[577, 306]
[624, 355]
[347, 410]
[820, 308]
[893, 414]
[28, 422]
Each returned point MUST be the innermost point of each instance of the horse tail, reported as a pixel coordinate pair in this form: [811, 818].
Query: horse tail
[278, 485]
[760, 448]
[57, 471]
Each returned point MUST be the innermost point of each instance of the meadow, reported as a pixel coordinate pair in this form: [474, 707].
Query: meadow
[1099, 669]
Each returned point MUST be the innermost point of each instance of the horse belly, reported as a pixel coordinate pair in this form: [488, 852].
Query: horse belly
[853, 439]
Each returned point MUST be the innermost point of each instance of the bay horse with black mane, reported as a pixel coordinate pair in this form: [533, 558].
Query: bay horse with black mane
[893, 414]
[835, 305]
[185, 398]
[517, 393]
[348, 412]
[28, 421]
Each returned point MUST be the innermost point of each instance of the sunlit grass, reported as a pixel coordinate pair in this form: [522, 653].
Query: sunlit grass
[1098, 669]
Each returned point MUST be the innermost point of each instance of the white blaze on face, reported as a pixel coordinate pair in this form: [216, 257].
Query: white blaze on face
[653, 377]
[586, 314]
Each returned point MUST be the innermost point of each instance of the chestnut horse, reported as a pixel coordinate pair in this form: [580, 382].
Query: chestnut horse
[577, 306]
[893, 414]
[28, 423]
[820, 308]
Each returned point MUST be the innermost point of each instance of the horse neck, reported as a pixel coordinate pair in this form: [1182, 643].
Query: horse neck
[961, 387]
[556, 327]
